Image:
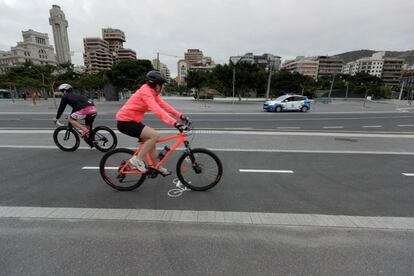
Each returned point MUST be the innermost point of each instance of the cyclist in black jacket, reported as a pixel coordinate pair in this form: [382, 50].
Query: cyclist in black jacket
[82, 108]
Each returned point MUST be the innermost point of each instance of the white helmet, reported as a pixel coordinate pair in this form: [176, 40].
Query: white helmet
[65, 87]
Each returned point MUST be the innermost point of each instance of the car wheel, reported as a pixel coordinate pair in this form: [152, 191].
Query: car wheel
[278, 109]
[304, 109]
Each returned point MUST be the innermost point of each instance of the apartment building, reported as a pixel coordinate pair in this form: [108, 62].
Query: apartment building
[194, 60]
[111, 46]
[386, 68]
[34, 48]
[115, 39]
[97, 55]
[329, 65]
[193, 56]
[125, 53]
[262, 61]
[302, 65]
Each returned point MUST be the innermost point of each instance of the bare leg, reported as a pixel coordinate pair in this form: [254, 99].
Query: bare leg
[77, 124]
[150, 136]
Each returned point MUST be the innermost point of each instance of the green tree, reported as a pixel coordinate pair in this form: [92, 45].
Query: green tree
[129, 74]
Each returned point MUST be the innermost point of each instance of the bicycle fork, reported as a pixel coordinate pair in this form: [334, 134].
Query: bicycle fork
[194, 164]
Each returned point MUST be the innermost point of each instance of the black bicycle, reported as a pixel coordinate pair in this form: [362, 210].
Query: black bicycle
[67, 137]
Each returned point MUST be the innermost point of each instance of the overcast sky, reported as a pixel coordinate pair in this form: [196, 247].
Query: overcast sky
[221, 28]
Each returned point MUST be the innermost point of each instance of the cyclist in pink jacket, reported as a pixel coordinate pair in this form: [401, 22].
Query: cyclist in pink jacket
[129, 118]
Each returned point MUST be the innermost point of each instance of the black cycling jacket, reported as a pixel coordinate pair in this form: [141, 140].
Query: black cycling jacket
[76, 101]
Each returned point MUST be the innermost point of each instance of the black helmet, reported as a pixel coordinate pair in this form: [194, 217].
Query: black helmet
[155, 77]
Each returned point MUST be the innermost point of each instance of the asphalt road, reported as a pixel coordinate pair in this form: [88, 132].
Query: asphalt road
[292, 121]
[335, 184]
[339, 165]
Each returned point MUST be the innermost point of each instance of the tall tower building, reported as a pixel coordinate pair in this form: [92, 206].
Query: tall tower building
[60, 34]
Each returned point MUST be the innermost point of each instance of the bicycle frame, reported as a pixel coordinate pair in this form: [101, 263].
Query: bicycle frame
[181, 138]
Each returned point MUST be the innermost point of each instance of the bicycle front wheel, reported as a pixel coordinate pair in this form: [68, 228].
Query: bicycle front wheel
[104, 138]
[110, 166]
[66, 138]
[199, 170]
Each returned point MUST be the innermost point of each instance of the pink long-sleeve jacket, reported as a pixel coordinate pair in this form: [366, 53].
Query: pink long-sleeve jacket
[146, 99]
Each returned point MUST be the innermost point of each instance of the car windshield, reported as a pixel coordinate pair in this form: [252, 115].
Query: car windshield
[281, 98]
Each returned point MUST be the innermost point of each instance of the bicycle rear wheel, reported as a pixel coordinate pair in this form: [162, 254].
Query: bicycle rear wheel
[104, 138]
[66, 138]
[200, 170]
[110, 166]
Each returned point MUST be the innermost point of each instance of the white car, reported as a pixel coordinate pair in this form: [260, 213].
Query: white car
[288, 102]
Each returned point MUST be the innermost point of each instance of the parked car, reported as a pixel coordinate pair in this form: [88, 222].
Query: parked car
[288, 102]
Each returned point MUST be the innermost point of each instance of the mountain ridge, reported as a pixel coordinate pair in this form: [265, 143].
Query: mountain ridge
[408, 55]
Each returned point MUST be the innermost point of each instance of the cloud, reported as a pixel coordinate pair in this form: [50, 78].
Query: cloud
[221, 28]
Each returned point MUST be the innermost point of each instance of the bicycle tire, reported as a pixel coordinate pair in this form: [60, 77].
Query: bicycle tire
[115, 181]
[195, 154]
[71, 131]
[97, 139]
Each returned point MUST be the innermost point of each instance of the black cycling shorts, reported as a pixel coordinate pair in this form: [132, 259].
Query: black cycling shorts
[130, 128]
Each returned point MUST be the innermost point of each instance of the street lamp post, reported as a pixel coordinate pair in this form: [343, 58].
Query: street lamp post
[269, 79]
[234, 62]
[330, 90]
[347, 89]
[234, 80]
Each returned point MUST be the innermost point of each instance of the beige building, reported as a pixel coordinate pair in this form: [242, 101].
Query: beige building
[193, 56]
[60, 34]
[329, 65]
[388, 69]
[302, 65]
[315, 67]
[115, 38]
[162, 68]
[125, 53]
[34, 48]
[182, 71]
[194, 60]
[100, 54]
[97, 56]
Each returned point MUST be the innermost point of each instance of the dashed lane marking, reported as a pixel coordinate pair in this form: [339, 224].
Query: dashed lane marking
[408, 174]
[266, 171]
[333, 127]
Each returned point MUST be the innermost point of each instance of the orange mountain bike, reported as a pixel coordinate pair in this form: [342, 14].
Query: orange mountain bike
[198, 169]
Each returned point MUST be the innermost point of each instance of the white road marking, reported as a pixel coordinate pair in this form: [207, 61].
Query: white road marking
[405, 125]
[377, 126]
[219, 217]
[288, 127]
[97, 168]
[266, 171]
[239, 150]
[333, 127]
[243, 132]
[10, 119]
[408, 174]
